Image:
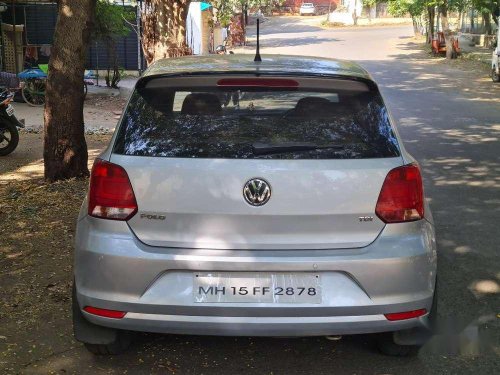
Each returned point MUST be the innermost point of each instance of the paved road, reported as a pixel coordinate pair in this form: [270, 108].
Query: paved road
[450, 120]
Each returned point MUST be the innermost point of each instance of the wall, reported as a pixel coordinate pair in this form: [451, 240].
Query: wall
[194, 28]
[40, 21]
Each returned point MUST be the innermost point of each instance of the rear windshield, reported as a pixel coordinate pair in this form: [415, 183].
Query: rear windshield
[250, 123]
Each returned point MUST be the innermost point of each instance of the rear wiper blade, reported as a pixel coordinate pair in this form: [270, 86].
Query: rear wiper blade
[268, 149]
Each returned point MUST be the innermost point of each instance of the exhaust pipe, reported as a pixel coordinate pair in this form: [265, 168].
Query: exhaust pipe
[333, 338]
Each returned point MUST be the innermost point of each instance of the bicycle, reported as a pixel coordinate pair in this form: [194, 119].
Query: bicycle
[33, 84]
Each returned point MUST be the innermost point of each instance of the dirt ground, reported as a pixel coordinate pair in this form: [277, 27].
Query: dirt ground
[36, 232]
[101, 111]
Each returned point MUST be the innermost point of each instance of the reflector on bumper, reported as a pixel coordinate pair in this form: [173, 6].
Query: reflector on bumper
[405, 315]
[114, 314]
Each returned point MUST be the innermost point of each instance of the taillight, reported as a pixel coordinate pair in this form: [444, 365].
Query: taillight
[110, 195]
[402, 196]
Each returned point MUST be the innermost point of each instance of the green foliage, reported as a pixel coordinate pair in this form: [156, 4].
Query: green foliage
[370, 3]
[225, 9]
[110, 23]
[484, 6]
[110, 20]
[417, 7]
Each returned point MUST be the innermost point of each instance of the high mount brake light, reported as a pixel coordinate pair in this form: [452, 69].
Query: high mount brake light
[258, 82]
[110, 195]
[402, 196]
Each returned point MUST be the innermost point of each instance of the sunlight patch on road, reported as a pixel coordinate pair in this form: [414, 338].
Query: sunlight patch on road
[463, 171]
[35, 169]
[481, 184]
[26, 172]
[485, 287]
[486, 99]
[452, 161]
[462, 250]
[432, 76]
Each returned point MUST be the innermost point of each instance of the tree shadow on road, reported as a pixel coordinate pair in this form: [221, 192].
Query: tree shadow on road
[286, 42]
[449, 120]
[26, 162]
[174, 354]
[287, 25]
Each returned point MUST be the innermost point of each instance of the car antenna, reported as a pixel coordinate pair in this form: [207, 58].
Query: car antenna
[257, 53]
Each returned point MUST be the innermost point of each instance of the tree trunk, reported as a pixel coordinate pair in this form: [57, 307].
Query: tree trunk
[109, 52]
[113, 71]
[431, 13]
[416, 26]
[164, 29]
[65, 150]
[495, 13]
[354, 14]
[448, 35]
[487, 24]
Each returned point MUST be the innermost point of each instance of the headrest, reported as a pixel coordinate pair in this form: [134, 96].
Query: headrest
[312, 106]
[201, 104]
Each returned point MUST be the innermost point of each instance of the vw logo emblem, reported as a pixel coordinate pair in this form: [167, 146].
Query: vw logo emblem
[257, 192]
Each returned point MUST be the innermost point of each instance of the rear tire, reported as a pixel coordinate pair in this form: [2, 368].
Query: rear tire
[97, 339]
[9, 138]
[119, 346]
[386, 345]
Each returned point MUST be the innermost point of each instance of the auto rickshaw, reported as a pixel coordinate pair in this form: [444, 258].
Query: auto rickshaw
[439, 45]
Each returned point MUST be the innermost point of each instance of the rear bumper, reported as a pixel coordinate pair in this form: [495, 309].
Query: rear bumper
[256, 326]
[113, 270]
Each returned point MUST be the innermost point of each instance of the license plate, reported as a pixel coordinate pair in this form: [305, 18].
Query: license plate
[253, 287]
[9, 110]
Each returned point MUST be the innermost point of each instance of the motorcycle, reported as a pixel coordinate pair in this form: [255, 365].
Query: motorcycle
[222, 50]
[9, 135]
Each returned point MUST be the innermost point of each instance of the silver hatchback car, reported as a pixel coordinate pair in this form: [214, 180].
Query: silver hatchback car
[269, 198]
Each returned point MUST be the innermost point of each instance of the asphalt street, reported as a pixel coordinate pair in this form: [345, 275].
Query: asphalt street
[449, 120]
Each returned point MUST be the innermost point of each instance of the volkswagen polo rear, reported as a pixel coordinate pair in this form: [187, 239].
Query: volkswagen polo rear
[257, 200]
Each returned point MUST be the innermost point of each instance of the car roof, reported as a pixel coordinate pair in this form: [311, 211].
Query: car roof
[243, 63]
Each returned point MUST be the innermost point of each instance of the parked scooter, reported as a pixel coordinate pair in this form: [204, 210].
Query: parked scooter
[222, 50]
[9, 135]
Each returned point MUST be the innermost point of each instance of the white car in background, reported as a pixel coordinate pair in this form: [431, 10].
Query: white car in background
[307, 8]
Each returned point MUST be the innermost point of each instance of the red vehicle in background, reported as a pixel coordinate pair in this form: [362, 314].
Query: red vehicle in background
[439, 45]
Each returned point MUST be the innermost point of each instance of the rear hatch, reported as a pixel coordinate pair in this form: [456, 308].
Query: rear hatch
[322, 147]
